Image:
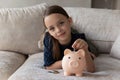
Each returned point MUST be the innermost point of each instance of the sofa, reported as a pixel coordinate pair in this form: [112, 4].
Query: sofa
[21, 48]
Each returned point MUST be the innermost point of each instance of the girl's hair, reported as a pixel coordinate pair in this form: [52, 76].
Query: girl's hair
[51, 10]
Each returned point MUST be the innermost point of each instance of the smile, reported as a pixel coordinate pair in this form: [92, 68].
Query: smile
[61, 34]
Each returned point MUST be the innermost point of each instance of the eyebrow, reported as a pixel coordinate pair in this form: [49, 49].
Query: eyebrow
[60, 20]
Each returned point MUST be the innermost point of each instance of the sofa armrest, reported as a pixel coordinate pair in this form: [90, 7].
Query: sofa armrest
[9, 63]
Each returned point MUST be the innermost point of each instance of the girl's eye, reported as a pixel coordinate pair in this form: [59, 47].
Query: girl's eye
[61, 23]
[51, 29]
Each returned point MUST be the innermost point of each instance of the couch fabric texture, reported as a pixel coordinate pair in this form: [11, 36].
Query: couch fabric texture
[115, 50]
[21, 30]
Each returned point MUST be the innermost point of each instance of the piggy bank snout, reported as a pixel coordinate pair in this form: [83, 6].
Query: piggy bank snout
[74, 64]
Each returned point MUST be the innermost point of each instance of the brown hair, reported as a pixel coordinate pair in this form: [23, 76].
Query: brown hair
[51, 10]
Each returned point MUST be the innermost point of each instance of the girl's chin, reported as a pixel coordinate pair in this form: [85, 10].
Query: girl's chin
[63, 40]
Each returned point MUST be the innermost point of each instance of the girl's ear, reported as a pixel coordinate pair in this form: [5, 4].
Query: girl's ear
[67, 51]
[70, 20]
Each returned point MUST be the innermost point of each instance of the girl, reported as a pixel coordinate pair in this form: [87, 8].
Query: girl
[60, 36]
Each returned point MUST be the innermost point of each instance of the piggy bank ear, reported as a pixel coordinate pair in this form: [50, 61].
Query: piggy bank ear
[81, 52]
[67, 51]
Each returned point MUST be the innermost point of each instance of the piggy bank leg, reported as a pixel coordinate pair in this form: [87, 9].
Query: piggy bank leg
[66, 74]
[79, 74]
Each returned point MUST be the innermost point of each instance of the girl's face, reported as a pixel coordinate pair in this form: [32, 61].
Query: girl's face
[59, 27]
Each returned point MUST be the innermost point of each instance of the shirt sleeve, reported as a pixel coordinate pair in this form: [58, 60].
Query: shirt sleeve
[48, 58]
[81, 36]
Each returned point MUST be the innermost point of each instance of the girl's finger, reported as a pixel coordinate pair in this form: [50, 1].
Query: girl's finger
[77, 44]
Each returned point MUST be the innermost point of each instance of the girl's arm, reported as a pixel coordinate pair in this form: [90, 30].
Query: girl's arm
[56, 65]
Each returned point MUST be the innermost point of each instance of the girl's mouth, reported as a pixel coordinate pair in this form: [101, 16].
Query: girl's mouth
[62, 34]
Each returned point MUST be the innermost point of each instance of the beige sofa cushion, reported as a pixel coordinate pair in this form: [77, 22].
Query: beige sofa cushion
[115, 50]
[31, 69]
[9, 63]
[20, 28]
[101, 26]
[106, 69]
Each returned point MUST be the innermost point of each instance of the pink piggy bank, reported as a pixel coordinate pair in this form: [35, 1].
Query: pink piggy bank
[73, 62]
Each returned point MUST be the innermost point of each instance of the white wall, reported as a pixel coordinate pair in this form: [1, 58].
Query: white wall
[24, 3]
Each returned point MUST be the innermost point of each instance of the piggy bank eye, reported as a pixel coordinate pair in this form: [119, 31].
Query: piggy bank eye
[79, 58]
[68, 57]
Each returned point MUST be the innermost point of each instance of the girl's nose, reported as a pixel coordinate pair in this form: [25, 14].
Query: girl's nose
[58, 29]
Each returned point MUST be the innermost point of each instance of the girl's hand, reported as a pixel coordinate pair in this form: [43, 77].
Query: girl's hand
[80, 44]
